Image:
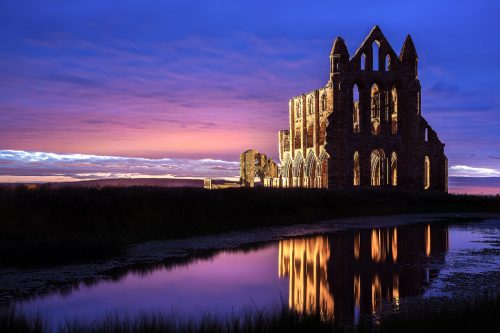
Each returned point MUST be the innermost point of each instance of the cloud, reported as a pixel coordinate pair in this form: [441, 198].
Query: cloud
[468, 171]
[17, 164]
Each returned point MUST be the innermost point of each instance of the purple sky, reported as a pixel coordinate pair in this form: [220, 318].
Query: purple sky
[197, 80]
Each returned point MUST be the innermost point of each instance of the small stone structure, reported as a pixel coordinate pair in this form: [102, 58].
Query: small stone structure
[256, 165]
[364, 127]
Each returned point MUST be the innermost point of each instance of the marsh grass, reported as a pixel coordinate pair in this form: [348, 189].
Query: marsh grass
[50, 226]
[479, 315]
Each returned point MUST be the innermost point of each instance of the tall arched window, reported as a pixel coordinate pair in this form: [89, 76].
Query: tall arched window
[298, 111]
[375, 163]
[355, 109]
[322, 132]
[363, 62]
[394, 169]
[311, 174]
[310, 136]
[427, 173]
[297, 138]
[375, 110]
[375, 50]
[289, 174]
[300, 174]
[426, 134]
[387, 64]
[323, 102]
[324, 173]
[357, 176]
[394, 111]
[310, 106]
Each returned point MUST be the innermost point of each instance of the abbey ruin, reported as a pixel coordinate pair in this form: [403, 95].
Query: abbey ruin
[363, 128]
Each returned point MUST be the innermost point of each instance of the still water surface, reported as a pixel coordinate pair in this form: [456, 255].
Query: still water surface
[345, 274]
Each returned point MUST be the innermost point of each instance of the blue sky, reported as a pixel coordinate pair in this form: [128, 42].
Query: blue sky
[209, 79]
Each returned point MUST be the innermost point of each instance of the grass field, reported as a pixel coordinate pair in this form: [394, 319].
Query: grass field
[48, 226]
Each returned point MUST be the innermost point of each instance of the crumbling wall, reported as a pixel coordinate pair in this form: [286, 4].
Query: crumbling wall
[256, 165]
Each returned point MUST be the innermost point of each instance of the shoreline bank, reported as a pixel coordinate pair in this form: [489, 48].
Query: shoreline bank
[26, 282]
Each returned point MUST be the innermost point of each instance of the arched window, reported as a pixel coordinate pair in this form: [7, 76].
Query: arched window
[311, 176]
[310, 106]
[394, 169]
[375, 50]
[426, 134]
[375, 163]
[324, 173]
[336, 66]
[357, 176]
[427, 173]
[355, 109]
[300, 173]
[375, 110]
[387, 64]
[297, 138]
[394, 111]
[363, 62]
[299, 110]
[322, 132]
[323, 102]
[310, 136]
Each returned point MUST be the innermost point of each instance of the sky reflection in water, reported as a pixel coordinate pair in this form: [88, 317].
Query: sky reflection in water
[346, 274]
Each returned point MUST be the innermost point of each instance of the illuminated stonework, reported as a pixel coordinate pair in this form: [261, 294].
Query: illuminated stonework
[256, 165]
[364, 127]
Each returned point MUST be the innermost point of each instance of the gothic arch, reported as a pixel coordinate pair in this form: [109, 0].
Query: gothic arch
[394, 169]
[287, 174]
[387, 62]
[427, 173]
[311, 170]
[299, 170]
[323, 102]
[356, 123]
[356, 170]
[394, 110]
[377, 167]
[310, 135]
[375, 55]
[310, 105]
[323, 169]
[375, 108]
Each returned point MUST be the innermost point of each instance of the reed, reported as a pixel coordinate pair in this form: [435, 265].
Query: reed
[50, 226]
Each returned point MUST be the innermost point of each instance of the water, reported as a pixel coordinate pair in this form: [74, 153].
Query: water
[345, 274]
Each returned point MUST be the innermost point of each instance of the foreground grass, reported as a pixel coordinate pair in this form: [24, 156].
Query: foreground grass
[449, 316]
[54, 226]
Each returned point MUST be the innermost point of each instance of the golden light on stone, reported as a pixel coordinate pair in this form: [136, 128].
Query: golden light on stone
[428, 240]
[394, 244]
[305, 261]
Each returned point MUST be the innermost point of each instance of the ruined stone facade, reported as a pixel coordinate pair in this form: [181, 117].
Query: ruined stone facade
[365, 126]
[256, 165]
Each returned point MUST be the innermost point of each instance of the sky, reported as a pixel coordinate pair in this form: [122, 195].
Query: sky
[170, 82]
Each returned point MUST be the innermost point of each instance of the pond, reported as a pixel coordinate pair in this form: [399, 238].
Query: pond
[345, 274]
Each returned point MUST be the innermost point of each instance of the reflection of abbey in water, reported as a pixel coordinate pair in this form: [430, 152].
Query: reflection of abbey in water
[349, 274]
